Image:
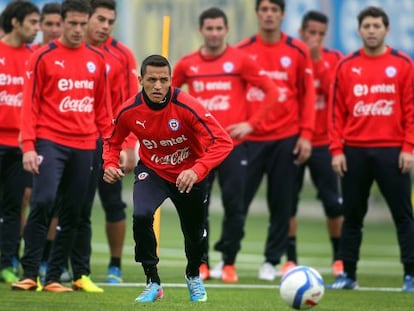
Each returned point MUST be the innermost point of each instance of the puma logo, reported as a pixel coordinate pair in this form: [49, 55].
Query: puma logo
[60, 63]
[137, 122]
[356, 70]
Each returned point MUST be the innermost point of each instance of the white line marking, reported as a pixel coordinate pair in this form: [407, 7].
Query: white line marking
[245, 286]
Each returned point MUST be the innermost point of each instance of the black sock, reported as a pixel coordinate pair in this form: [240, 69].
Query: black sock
[291, 250]
[115, 262]
[409, 269]
[335, 247]
[228, 259]
[46, 250]
[350, 269]
[192, 270]
[152, 274]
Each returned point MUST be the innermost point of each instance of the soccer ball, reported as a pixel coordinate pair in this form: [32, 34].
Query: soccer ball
[302, 287]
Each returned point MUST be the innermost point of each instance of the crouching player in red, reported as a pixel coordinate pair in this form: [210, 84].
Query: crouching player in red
[181, 142]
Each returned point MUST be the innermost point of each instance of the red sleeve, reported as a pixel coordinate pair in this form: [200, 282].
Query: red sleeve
[337, 115]
[327, 76]
[130, 142]
[407, 107]
[103, 107]
[30, 108]
[178, 76]
[220, 146]
[113, 143]
[218, 142]
[252, 74]
[307, 96]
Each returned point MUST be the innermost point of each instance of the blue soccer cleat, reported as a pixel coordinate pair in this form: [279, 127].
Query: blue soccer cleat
[196, 289]
[152, 292]
[408, 285]
[343, 282]
[114, 275]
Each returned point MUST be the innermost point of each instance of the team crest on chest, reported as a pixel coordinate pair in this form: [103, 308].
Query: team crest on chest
[228, 67]
[285, 61]
[91, 67]
[390, 71]
[174, 125]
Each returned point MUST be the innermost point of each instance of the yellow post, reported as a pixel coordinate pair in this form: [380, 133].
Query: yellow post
[164, 52]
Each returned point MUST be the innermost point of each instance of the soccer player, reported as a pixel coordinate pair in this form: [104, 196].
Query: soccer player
[100, 26]
[50, 24]
[111, 199]
[285, 142]
[312, 32]
[372, 138]
[64, 106]
[51, 28]
[20, 21]
[181, 142]
[217, 75]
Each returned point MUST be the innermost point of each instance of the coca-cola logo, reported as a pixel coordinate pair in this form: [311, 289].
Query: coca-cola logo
[14, 100]
[172, 159]
[381, 107]
[216, 103]
[76, 105]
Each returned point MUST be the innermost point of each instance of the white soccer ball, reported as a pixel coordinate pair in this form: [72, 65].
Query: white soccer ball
[302, 287]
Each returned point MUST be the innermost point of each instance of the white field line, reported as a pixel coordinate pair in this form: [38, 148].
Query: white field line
[244, 286]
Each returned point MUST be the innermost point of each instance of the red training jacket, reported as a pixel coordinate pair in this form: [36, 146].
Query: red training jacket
[289, 64]
[66, 97]
[179, 136]
[372, 102]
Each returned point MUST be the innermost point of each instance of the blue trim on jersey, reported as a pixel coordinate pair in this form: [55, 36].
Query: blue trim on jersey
[174, 100]
[52, 46]
[289, 41]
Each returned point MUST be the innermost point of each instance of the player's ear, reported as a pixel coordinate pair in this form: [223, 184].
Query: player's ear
[140, 78]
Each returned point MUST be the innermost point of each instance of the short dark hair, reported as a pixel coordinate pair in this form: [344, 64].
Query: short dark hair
[212, 13]
[156, 61]
[18, 9]
[373, 11]
[80, 6]
[107, 4]
[50, 8]
[314, 16]
[280, 3]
